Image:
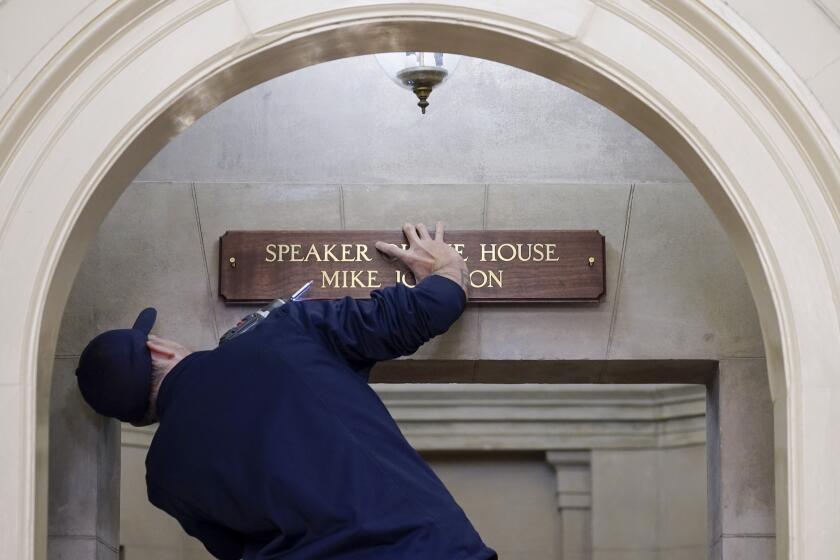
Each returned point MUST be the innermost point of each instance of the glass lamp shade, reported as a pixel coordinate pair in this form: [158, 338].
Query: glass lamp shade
[419, 72]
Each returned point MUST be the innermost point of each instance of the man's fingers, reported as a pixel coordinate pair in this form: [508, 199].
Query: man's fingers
[424, 233]
[391, 250]
[439, 231]
[410, 233]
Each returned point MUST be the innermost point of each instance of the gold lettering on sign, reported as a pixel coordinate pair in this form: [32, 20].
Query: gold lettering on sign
[459, 247]
[350, 279]
[361, 253]
[329, 280]
[401, 279]
[486, 278]
[478, 278]
[522, 252]
[326, 252]
[313, 252]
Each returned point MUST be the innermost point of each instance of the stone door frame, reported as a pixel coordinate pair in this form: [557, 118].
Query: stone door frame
[129, 76]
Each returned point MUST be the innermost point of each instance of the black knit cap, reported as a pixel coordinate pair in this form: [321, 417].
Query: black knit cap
[115, 370]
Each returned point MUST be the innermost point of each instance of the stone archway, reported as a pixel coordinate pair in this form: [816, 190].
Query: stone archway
[134, 76]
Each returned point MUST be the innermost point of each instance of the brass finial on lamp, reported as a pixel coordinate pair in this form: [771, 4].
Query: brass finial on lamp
[421, 72]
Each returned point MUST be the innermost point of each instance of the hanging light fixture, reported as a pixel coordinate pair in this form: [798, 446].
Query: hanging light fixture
[420, 72]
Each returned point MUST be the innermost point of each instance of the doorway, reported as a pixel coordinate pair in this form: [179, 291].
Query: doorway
[639, 199]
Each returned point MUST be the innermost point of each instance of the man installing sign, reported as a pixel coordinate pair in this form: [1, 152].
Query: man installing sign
[273, 445]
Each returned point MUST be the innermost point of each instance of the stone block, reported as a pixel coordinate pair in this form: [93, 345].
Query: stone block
[567, 331]
[107, 552]
[682, 499]
[807, 51]
[576, 534]
[745, 548]
[143, 525]
[71, 548]
[12, 398]
[390, 206]
[460, 342]
[624, 501]
[713, 465]
[825, 86]
[683, 553]
[746, 448]
[345, 122]
[79, 548]
[147, 253]
[152, 552]
[84, 463]
[682, 292]
[247, 206]
[624, 554]
[107, 488]
[519, 517]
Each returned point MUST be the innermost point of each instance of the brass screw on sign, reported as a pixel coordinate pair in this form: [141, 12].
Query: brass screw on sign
[591, 261]
[232, 262]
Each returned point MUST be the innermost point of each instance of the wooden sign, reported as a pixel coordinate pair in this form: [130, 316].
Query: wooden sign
[505, 266]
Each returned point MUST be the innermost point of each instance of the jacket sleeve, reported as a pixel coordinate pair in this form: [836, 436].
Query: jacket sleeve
[394, 322]
[221, 542]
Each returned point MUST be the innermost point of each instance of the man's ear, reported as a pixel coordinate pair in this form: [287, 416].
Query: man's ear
[156, 348]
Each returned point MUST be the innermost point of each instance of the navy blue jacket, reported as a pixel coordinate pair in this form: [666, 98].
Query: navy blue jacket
[274, 445]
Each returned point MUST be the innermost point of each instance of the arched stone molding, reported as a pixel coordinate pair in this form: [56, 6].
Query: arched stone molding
[688, 74]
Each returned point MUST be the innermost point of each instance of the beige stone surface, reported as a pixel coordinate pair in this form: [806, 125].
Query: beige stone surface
[625, 505]
[826, 85]
[682, 292]
[162, 553]
[649, 502]
[85, 459]
[518, 518]
[684, 553]
[746, 449]
[76, 432]
[11, 467]
[389, 206]
[20, 45]
[682, 502]
[80, 548]
[148, 254]
[745, 548]
[311, 127]
[252, 206]
[146, 532]
[561, 331]
[805, 33]
[576, 539]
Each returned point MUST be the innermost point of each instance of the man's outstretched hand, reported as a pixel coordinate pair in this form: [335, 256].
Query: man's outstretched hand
[426, 256]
